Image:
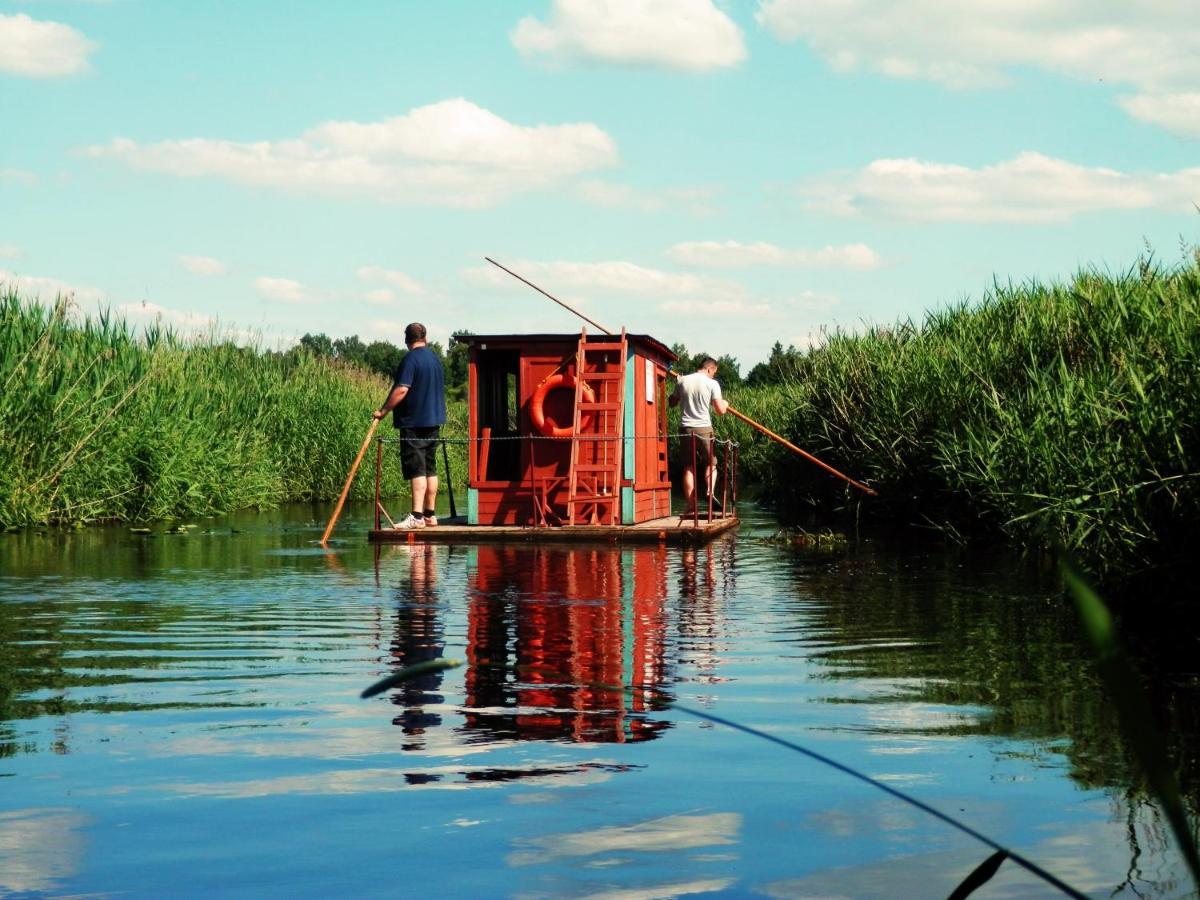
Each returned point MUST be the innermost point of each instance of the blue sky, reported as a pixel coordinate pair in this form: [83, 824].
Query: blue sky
[725, 174]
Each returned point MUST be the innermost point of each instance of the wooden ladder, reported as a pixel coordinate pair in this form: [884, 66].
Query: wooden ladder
[597, 432]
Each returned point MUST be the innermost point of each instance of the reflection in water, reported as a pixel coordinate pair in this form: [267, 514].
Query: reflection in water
[214, 678]
[418, 638]
[548, 629]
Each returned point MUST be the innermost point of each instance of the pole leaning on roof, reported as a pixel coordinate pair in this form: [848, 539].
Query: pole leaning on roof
[768, 432]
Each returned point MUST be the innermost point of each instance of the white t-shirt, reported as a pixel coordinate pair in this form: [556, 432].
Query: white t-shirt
[696, 393]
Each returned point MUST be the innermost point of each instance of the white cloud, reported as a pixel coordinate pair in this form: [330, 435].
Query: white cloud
[1153, 44]
[18, 176]
[814, 300]
[37, 287]
[451, 153]
[612, 277]
[280, 289]
[1175, 112]
[677, 293]
[11, 251]
[1029, 188]
[202, 265]
[380, 297]
[734, 254]
[397, 279]
[613, 195]
[687, 35]
[40, 49]
[715, 307]
[145, 311]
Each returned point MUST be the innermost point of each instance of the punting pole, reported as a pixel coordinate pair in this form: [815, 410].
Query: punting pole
[337, 511]
[768, 432]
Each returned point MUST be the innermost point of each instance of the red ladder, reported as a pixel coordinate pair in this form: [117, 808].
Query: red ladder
[597, 432]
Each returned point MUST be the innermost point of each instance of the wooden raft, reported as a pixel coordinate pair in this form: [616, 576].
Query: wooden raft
[664, 530]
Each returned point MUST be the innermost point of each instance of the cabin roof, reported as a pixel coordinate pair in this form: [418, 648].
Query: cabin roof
[571, 337]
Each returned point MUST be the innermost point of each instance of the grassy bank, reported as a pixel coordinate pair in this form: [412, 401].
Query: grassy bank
[102, 422]
[1066, 412]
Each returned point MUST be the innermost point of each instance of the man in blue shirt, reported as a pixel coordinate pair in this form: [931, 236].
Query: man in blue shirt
[418, 405]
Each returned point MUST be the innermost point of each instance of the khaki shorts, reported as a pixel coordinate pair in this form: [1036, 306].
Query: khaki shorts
[703, 439]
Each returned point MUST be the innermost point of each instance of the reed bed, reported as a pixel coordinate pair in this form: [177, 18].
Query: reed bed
[104, 422]
[1064, 412]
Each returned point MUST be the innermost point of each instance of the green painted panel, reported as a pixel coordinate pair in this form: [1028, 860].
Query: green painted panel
[472, 506]
[627, 507]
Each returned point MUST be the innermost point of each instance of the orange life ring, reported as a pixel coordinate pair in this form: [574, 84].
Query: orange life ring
[537, 402]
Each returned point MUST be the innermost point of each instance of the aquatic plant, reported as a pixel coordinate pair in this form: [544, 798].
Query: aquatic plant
[1061, 411]
[104, 421]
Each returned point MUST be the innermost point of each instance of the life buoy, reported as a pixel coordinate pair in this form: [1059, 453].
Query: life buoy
[537, 411]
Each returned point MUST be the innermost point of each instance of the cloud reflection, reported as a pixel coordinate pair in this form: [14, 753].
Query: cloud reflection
[668, 833]
[40, 848]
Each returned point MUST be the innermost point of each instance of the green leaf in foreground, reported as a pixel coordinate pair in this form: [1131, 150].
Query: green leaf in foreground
[409, 672]
[1139, 727]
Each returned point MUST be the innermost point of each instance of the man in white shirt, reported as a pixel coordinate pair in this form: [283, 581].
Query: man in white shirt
[694, 394]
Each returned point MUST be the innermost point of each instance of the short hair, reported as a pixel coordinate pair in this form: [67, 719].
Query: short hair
[709, 361]
[414, 332]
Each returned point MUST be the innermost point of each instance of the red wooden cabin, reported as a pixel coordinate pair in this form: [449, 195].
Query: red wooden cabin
[567, 429]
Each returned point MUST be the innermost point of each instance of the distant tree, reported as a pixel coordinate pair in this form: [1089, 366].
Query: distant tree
[781, 365]
[383, 357]
[456, 364]
[317, 344]
[729, 372]
[351, 350]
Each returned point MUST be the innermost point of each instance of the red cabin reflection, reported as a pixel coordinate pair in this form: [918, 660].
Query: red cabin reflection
[547, 626]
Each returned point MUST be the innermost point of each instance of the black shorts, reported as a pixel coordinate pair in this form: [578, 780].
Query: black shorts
[418, 451]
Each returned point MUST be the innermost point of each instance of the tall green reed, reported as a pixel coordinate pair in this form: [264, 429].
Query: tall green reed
[1046, 411]
[102, 421]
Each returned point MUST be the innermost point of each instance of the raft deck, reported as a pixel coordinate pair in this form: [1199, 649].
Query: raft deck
[664, 530]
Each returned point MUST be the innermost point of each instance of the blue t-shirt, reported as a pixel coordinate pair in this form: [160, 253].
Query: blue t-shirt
[425, 403]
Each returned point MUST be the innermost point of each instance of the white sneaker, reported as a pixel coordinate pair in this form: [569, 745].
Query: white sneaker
[431, 521]
[408, 523]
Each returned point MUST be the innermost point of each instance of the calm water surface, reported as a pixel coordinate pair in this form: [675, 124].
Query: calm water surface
[179, 715]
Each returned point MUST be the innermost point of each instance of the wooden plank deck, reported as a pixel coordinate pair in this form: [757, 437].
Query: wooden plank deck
[667, 529]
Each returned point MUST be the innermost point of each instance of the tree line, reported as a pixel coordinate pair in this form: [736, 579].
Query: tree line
[384, 357]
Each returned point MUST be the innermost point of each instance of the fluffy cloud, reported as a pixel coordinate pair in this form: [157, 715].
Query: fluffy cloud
[202, 265]
[688, 35]
[379, 275]
[1175, 112]
[614, 277]
[733, 254]
[676, 292]
[451, 153]
[39, 49]
[283, 289]
[1153, 46]
[11, 251]
[1028, 188]
[37, 287]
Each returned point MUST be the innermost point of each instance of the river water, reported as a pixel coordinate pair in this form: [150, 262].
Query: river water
[180, 715]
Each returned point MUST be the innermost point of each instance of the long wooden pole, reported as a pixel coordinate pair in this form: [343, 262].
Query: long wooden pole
[828, 468]
[749, 421]
[337, 511]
